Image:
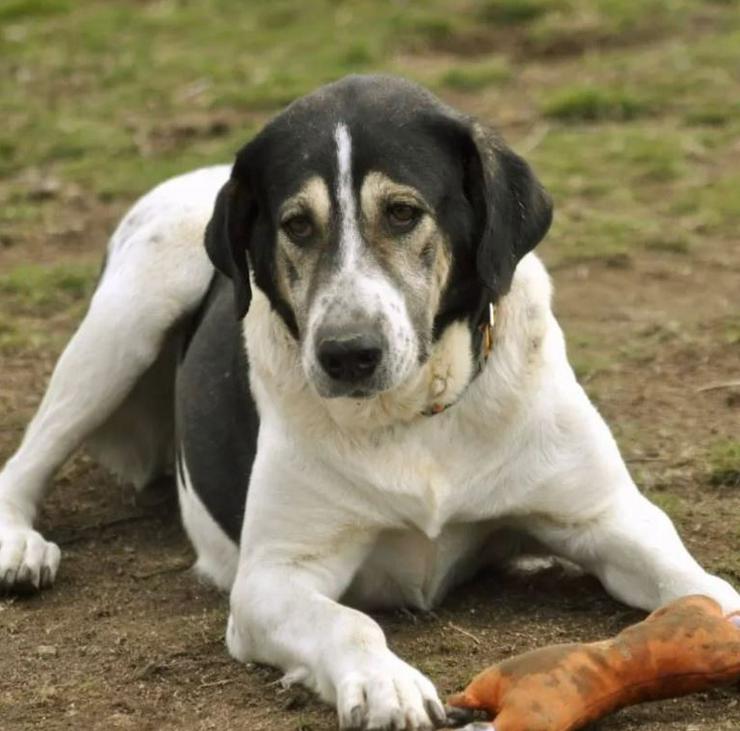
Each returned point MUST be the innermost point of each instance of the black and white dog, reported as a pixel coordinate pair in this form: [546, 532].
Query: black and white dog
[374, 371]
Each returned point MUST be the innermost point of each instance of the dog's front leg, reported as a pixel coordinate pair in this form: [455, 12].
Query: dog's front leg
[634, 549]
[299, 552]
[285, 614]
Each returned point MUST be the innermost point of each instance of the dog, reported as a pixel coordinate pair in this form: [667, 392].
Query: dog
[359, 385]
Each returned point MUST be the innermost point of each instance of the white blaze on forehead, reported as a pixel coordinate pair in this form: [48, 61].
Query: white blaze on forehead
[349, 236]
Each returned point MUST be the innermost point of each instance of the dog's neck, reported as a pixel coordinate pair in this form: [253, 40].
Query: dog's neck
[481, 345]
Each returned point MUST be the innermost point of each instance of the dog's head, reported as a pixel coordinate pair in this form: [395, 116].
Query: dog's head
[374, 217]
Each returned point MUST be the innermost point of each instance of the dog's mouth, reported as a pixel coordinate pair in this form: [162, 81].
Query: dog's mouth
[358, 392]
[362, 394]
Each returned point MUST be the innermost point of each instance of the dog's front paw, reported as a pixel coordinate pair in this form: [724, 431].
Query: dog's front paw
[383, 692]
[27, 560]
[722, 592]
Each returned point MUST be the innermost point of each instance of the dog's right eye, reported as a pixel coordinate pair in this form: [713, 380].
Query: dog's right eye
[299, 227]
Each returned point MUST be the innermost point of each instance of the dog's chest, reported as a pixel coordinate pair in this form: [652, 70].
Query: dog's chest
[425, 478]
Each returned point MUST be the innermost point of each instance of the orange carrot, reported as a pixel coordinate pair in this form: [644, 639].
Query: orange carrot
[682, 648]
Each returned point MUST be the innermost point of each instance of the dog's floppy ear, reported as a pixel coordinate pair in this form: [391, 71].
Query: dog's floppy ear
[228, 236]
[512, 210]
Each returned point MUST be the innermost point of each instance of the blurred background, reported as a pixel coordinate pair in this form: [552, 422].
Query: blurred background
[629, 111]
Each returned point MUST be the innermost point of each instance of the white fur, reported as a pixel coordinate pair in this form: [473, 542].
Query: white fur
[365, 498]
[349, 244]
[217, 554]
[359, 286]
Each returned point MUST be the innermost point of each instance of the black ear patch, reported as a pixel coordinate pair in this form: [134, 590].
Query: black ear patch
[512, 210]
[227, 240]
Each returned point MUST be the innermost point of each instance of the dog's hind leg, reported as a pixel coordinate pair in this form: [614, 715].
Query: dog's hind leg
[136, 442]
[157, 271]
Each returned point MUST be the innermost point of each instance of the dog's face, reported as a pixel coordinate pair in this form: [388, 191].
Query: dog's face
[373, 217]
[363, 277]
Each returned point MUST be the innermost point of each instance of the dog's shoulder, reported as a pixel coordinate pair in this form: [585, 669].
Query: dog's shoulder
[528, 344]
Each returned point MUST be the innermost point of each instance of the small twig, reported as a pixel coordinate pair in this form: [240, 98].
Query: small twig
[646, 459]
[716, 385]
[167, 570]
[82, 532]
[534, 139]
[217, 683]
[464, 632]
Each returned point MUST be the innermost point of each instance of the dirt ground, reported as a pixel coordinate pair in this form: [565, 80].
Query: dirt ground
[128, 638]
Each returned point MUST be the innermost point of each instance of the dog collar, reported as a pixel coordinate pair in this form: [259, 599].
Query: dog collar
[486, 346]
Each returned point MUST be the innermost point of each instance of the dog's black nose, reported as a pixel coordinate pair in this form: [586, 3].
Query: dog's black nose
[352, 358]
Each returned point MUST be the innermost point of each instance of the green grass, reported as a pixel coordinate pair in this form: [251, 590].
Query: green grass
[40, 290]
[512, 12]
[93, 81]
[673, 505]
[594, 104]
[476, 76]
[24, 9]
[724, 463]
[639, 101]
[731, 330]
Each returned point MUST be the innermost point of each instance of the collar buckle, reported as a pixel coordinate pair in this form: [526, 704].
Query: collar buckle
[487, 331]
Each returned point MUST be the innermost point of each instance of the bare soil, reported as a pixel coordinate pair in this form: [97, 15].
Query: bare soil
[129, 638]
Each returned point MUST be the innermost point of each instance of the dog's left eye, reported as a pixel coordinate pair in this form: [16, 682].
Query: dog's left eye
[403, 216]
[299, 227]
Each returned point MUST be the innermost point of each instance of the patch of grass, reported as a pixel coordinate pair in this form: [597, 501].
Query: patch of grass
[724, 463]
[512, 12]
[575, 26]
[38, 289]
[650, 155]
[594, 104]
[713, 115]
[18, 212]
[587, 360]
[715, 203]
[600, 235]
[23, 335]
[8, 333]
[672, 504]
[616, 188]
[21, 9]
[476, 76]
[731, 330]
[432, 29]
[83, 103]
[83, 91]
[673, 244]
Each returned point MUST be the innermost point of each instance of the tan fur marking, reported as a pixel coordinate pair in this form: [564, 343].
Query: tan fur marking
[401, 254]
[312, 199]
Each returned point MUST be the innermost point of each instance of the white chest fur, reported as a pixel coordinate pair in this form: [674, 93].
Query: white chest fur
[405, 468]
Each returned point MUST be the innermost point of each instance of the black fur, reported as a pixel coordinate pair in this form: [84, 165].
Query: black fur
[216, 417]
[227, 239]
[485, 196]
